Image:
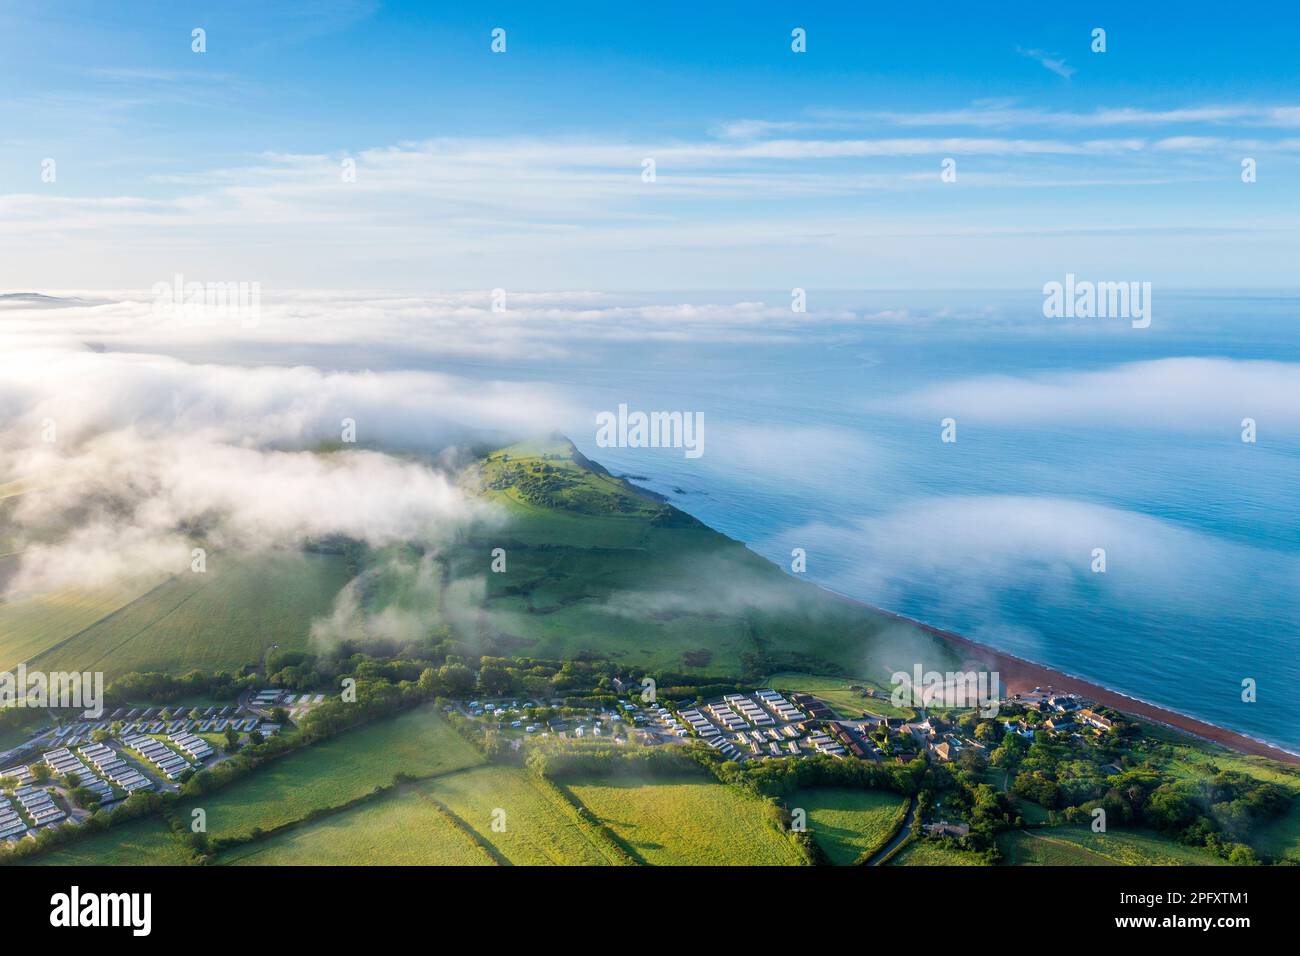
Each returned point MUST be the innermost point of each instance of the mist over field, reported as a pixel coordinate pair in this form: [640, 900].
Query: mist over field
[173, 429]
[125, 455]
[585, 434]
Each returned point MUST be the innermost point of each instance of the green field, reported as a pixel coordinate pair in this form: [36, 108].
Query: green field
[540, 826]
[848, 704]
[419, 743]
[145, 842]
[31, 626]
[445, 820]
[687, 822]
[1032, 848]
[398, 829]
[1079, 846]
[1205, 759]
[848, 824]
[217, 620]
[925, 853]
[1031, 812]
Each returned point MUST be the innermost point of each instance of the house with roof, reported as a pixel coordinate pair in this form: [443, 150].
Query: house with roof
[944, 828]
[1064, 704]
[1094, 719]
[1020, 729]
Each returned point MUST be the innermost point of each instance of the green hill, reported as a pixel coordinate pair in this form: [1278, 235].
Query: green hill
[594, 566]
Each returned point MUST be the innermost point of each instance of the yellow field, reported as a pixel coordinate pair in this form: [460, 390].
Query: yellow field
[539, 828]
[398, 829]
[688, 822]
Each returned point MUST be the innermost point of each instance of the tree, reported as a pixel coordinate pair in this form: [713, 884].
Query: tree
[1242, 855]
[988, 731]
[232, 740]
[457, 680]
[495, 678]
[83, 797]
[1170, 808]
[41, 773]
[71, 780]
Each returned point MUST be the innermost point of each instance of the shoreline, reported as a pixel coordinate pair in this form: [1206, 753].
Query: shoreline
[1019, 676]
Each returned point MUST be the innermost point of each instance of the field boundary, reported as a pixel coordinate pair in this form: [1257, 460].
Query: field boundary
[400, 782]
[462, 827]
[587, 820]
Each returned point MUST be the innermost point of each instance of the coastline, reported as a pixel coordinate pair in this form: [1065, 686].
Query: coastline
[1019, 675]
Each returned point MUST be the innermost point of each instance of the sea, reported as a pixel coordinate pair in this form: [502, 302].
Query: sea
[1098, 511]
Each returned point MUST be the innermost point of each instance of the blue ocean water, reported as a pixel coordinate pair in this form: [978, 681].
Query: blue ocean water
[814, 439]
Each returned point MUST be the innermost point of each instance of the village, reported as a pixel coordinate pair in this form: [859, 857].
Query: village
[64, 773]
[765, 724]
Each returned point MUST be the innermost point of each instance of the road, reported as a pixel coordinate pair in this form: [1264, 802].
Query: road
[903, 833]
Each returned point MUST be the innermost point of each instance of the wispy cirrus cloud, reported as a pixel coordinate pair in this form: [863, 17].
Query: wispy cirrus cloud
[1005, 114]
[572, 212]
[1049, 61]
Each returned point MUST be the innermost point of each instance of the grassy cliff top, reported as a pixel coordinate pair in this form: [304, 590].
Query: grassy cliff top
[553, 474]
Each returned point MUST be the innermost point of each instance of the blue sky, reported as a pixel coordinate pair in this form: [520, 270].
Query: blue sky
[523, 170]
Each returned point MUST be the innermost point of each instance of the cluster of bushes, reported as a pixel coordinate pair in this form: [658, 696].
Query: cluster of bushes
[572, 760]
[777, 778]
[167, 688]
[586, 680]
[1218, 812]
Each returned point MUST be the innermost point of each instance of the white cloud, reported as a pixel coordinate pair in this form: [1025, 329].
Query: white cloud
[1181, 394]
[1049, 61]
[999, 114]
[985, 559]
[131, 499]
[574, 212]
[129, 455]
